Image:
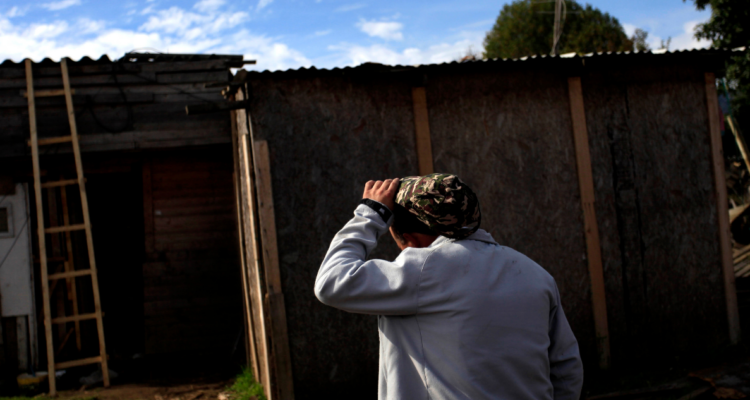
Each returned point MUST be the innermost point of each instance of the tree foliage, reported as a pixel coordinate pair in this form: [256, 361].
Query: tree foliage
[639, 40]
[525, 27]
[729, 27]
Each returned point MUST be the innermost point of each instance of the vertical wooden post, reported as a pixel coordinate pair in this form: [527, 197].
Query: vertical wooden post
[725, 247]
[591, 229]
[422, 129]
[253, 257]
[252, 354]
[40, 229]
[282, 364]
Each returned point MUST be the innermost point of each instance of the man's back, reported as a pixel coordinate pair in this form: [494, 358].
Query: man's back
[484, 314]
[466, 319]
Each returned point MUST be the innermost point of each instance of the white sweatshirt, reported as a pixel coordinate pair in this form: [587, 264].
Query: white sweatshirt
[466, 319]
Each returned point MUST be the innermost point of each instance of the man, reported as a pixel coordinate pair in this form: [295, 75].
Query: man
[460, 317]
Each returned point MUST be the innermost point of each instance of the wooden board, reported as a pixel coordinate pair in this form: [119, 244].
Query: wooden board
[725, 244]
[252, 246]
[422, 130]
[591, 228]
[282, 367]
[191, 263]
[250, 350]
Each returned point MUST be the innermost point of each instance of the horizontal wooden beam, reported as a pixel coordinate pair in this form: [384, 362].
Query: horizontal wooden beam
[78, 363]
[71, 318]
[69, 274]
[47, 93]
[215, 107]
[53, 140]
[65, 228]
[66, 182]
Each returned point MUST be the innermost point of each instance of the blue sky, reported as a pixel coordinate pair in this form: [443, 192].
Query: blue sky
[283, 34]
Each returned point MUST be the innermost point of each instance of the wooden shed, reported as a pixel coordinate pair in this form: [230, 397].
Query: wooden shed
[162, 209]
[606, 169]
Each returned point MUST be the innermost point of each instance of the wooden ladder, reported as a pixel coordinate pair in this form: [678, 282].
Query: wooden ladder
[70, 272]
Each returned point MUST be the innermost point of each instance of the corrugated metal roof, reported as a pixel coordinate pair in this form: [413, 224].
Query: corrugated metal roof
[232, 59]
[371, 66]
[629, 55]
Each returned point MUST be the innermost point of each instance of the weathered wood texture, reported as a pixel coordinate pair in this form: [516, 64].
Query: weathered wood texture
[147, 101]
[511, 140]
[590, 225]
[725, 236]
[508, 134]
[192, 293]
[326, 138]
[657, 210]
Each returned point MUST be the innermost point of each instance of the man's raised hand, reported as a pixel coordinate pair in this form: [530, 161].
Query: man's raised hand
[382, 191]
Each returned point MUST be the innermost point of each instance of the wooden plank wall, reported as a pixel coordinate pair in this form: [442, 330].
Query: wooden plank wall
[149, 97]
[508, 134]
[192, 292]
[657, 210]
[326, 138]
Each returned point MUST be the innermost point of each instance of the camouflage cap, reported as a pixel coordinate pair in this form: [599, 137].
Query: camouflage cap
[443, 202]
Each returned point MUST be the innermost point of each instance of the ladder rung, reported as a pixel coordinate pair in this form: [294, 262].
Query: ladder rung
[50, 260]
[78, 363]
[69, 274]
[52, 140]
[65, 228]
[48, 93]
[79, 317]
[66, 182]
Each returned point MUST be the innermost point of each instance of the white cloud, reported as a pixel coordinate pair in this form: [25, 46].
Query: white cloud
[173, 30]
[62, 4]
[263, 3]
[322, 33]
[349, 7]
[686, 40]
[629, 29]
[45, 31]
[16, 12]
[351, 54]
[86, 25]
[191, 25]
[208, 5]
[385, 30]
[270, 54]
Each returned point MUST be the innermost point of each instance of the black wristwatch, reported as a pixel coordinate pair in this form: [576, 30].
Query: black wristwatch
[379, 208]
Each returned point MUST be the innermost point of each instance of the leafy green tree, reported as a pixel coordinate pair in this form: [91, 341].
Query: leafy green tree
[525, 27]
[639, 40]
[729, 27]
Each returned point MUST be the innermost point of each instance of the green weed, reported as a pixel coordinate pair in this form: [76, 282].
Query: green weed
[245, 387]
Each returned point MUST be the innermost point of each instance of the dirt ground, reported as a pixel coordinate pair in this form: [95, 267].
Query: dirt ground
[152, 391]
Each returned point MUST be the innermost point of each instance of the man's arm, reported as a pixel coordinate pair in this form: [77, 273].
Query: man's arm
[566, 369]
[346, 281]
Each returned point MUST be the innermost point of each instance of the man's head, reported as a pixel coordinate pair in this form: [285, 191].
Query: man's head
[433, 205]
[408, 231]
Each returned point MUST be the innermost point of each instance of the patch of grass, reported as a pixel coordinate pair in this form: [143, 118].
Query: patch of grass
[245, 387]
[25, 398]
[44, 398]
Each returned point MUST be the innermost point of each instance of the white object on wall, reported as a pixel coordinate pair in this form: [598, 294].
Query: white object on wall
[16, 279]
